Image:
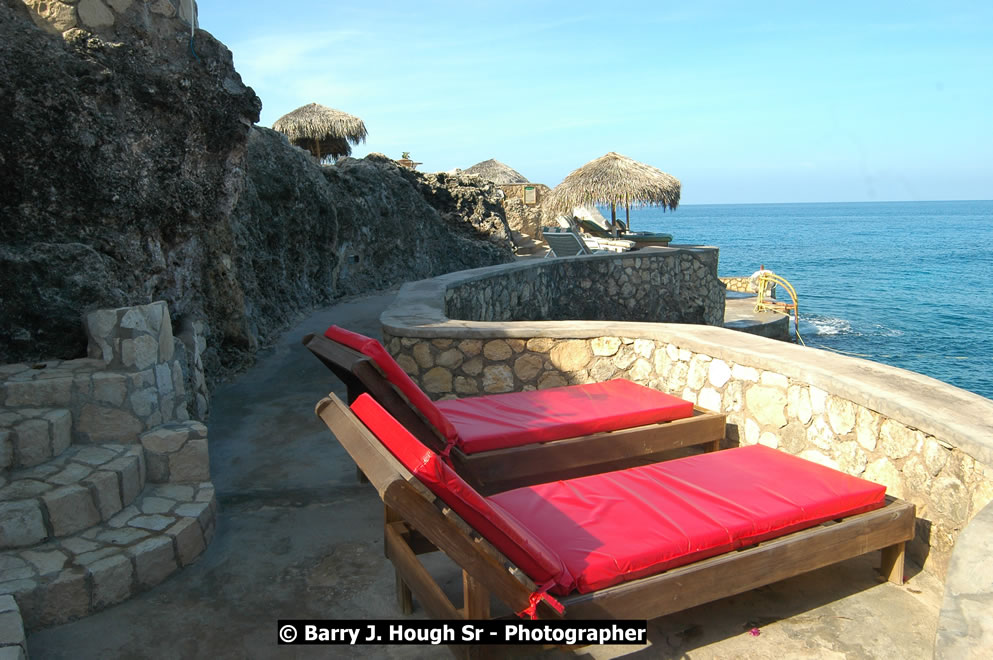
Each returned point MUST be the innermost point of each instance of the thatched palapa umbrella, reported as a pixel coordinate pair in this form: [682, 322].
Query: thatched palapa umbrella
[495, 171]
[615, 179]
[321, 130]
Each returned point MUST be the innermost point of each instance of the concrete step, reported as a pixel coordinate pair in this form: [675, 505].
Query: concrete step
[81, 487]
[31, 436]
[163, 530]
[13, 644]
[46, 384]
[107, 405]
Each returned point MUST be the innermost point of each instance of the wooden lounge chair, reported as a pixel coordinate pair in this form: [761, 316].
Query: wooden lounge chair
[538, 436]
[566, 550]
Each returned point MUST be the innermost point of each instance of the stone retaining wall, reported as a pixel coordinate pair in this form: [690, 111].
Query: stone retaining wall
[764, 406]
[655, 284]
[747, 285]
[927, 441]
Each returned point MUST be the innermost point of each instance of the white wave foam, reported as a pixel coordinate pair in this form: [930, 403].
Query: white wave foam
[824, 325]
[888, 332]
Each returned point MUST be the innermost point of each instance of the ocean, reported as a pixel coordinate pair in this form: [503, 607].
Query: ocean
[909, 284]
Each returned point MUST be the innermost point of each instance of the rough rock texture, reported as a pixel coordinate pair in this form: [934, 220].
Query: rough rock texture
[459, 197]
[115, 163]
[131, 173]
[306, 234]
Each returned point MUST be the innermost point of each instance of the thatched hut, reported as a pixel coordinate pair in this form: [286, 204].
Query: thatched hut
[615, 179]
[324, 132]
[495, 171]
[513, 183]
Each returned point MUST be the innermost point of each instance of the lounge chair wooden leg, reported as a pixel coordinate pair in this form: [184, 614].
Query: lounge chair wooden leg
[714, 446]
[475, 598]
[893, 561]
[405, 599]
[389, 516]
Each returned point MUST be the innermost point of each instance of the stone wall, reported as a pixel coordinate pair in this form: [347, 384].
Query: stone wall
[740, 284]
[107, 17]
[928, 442]
[747, 285]
[660, 285]
[131, 382]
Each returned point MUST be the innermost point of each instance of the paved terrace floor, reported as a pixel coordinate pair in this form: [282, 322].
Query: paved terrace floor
[298, 537]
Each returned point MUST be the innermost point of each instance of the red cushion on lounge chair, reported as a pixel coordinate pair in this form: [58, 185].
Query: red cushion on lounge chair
[396, 375]
[498, 421]
[620, 526]
[488, 518]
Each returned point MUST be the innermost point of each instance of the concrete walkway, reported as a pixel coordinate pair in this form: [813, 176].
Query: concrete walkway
[298, 537]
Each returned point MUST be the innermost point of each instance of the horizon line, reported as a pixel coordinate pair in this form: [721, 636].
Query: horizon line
[877, 201]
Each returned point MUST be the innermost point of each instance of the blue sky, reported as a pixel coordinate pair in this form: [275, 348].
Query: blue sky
[743, 102]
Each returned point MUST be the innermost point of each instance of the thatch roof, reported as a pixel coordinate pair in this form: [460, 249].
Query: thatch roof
[497, 172]
[321, 130]
[615, 180]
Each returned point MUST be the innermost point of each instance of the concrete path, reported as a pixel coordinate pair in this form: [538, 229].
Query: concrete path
[298, 537]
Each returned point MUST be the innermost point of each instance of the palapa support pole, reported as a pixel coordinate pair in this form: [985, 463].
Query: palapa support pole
[627, 212]
[613, 218]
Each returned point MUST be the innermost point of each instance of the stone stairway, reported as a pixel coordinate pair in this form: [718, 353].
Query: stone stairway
[527, 245]
[104, 479]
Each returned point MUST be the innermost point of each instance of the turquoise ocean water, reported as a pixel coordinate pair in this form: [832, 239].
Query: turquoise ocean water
[908, 284]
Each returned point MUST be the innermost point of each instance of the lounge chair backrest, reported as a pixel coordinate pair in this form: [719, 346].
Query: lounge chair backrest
[594, 229]
[397, 376]
[496, 525]
[566, 244]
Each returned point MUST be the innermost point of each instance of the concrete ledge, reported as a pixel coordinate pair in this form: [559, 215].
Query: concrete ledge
[965, 626]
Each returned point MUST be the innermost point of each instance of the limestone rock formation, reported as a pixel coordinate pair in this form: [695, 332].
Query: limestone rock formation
[131, 173]
[460, 198]
[116, 159]
[305, 234]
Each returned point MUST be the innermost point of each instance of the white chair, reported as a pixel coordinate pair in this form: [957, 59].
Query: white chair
[565, 244]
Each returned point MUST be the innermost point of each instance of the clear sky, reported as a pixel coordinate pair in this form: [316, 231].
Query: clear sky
[742, 101]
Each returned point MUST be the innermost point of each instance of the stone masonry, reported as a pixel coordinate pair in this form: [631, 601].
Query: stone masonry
[57, 16]
[659, 285]
[763, 407]
[921, 438]
[104, 479]
[747, 285]
[132, 381]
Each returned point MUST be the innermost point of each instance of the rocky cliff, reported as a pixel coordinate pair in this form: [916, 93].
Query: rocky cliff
[132, 172]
